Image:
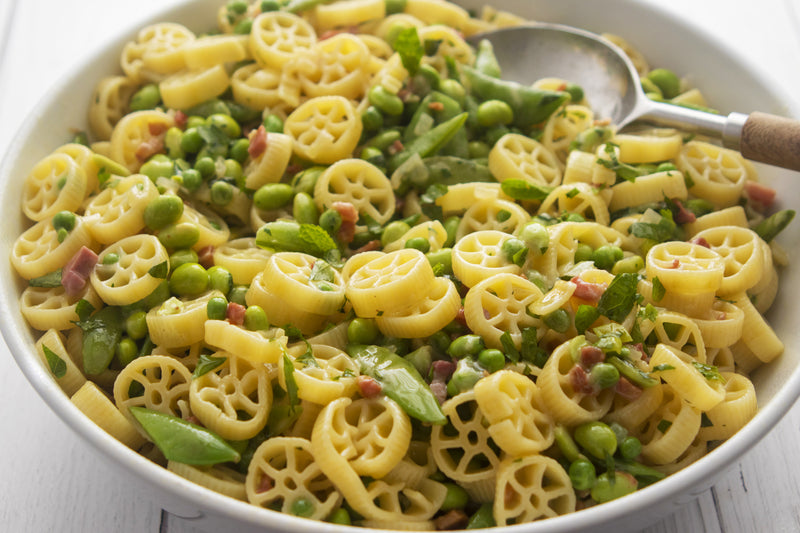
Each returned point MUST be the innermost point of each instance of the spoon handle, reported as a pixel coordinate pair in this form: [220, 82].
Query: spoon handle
[771, 139]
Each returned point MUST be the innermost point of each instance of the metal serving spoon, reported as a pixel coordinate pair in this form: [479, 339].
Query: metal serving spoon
[613, 90]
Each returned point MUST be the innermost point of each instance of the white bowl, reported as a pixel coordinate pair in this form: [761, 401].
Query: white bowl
[729, 84]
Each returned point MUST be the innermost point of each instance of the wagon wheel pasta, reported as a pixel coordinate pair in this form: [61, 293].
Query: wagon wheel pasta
[365, 279]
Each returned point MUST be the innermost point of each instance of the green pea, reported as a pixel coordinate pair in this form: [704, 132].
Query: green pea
[217, 308]
[582, 474]
[535, 236]
[393, 231]
[172, 142]
[179, 235]
[162, 211]
[451, 227]
[362, 331]
[273, 196]
[243, 27]
[126, 351]
[189, 279]
[394, 6]
[514, 250]
[666, 166]
[630, 448]
[494, 134]
[273, 123]
[191, 141]
[374, 156]
[605, 256]
[159, 166]
[466, 345]
[236, 7]
[630, 265]
[340, 516]
[233, 169]
[493, 113]
[239, 149]
[667, 81]
[179, 257]
[575, 92]
[221, 193]
[387, 102]
[441, 259]
[330, 220]
[583, 252]
[478, 149]
[304, 210]
[559, 320]
[604, 375]
[492, 359]
[147, 97]
[191, 179]
[596, 438]
[195, 121]
[206, 167]
[612, 486]
[238, 294]
[419, 243]
[454, 90]
[64, 220]
[136, 325]
[455, 497]
[304, 181]
[467, 373]
[220, 279]
[110, 258]
[226, 123]
[269, 5]
[255, 318]
[372, 119]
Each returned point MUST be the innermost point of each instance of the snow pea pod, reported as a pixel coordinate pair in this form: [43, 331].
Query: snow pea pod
[429, 142]
[183, 441]
[101, 334]
[399, 380]
[485, 60]
[531, 106]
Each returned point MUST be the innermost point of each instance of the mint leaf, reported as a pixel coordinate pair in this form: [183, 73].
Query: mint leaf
[160, 271]
[307, 358]
[206, 364]
[47, 281]
[291, 384]
[57, 365]
[619, 298]
[658, 290]
[409, 46]
[522, 190]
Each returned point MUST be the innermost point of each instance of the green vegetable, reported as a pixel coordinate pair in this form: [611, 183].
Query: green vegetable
[529, 105]
[667, 82]
[189, 279]
[582, 474]
[619, 298]
[57, 365]
[273, 196]
[465, 346]
[597, 438]
[410, 48]
[255, 318]
[613, 485]
[485, 60]
[148, 97]
[183, 441]
[430, 142]
[483, 517]
[522, 190]
[770, 227]
[631, 373]
[290, 236]
[48, 281]
[400, 381]
[101, 334]
[455, 498]
[180, 235]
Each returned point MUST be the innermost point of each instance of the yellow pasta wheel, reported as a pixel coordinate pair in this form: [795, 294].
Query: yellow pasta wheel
[269, 166]
[242, 258]
[55, 184]
[530, 488]
[718, 174]
[294, 277]
[130, 278]
[736, 409]
[214, 231]
[677, 330]
[437, 12]
[187, 89]
[45, 308]
[436, 310]
[564, 126]
[479, 255]
[218, 478]
[359, 183]
[498, 305]
[328, 375]
[234, 399]
[432, 231]
[109, 104]
[517, 422]
[210, 50]
[730, 216]
[256, 87]
[631, 414]
[492, 214]
[118, 211]
[178, 323]
[164, 46]
[452, 47]
[516, 156]
[758, 335]
[94, 403]
[51, 345]
[693, 387]
[254, 346]
[39, 251]
[282, 312]
[276, 37]
[390, 283]
[685, 267]
[578, 198]
[741, 253]
[669, 430]
[722, 326]
[325, 129]
[340, 68]
[134, 130]
[461, 196]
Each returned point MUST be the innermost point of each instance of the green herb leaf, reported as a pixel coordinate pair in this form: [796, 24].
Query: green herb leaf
[57, 365]
[322, 275]
[316, 240]
[661, 231]
[530, 350]
[307, 358]
[770, 227]
[509, 348]
[409, 46]
[160, 271]
[206, 364]
[48, 281]
[620, 297]
[585, 316]
[661, 368]
[658, 290]
[622, 170]
[705, 422]
[664, 425]
[710, 372]
[101, 334]
[291, 383]
[522, 190]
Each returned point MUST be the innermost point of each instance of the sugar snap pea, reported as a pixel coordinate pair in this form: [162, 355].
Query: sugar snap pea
[430, 142]
[183, 441]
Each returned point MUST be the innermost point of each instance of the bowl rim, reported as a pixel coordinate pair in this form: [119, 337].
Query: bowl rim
[197, 497]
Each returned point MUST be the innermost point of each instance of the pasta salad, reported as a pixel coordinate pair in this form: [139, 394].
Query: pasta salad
[324, 259]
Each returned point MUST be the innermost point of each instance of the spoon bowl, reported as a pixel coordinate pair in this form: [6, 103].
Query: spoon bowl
[613, 89]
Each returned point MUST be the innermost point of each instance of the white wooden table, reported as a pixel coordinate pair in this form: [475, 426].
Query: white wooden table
[51, 482]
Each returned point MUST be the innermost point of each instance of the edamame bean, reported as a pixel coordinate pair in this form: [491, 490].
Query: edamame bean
[596, 438]
[162, 211]
[64, 220]
[604, 375]
[126, 351]
[455, 497]
[582, 474]
[179, 235]
[226, 124]
[148, 97]
[273, 196]
[535, 237]
[492, 113]
[221, 193]
[362, 331]
[136, 325]
[304, 210]
[191, 141]
[172, 142]
[393, 231]
[387, 102]
[419, 243]
[374, 156]
[189, 279]
[233, 169]
[465, 376]
[454, 90]
[492, 359]
[179, 257]
[220, 279]
[466, 345]
[158, 166]
[330, 220]
[385, 139]
[243, 27]
[255, 318]
[372, 119]
[632, 265]
[612, 486]
[217, 308]
[651, 89]
[666, 80]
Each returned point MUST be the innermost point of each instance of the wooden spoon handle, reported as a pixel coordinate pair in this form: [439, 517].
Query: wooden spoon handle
[771, 139]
